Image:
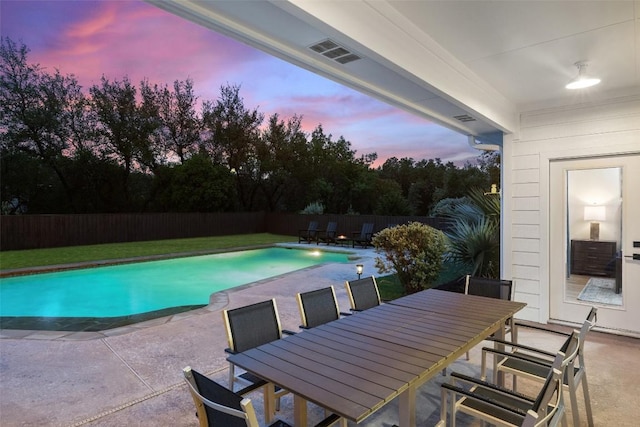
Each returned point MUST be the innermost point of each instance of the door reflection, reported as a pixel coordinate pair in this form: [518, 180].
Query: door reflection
[594, 236]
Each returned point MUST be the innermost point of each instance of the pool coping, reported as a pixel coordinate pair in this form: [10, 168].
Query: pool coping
[217, 300]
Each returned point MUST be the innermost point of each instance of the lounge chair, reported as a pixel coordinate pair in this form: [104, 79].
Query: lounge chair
[329, 235]
[310, 234]
[363, 238]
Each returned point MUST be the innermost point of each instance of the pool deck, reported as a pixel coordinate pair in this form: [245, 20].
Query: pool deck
[132, 375]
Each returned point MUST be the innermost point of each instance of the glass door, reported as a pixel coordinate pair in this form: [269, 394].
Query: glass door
[594, 219]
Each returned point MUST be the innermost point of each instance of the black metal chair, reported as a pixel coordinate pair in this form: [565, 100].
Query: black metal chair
[363, 238]
[248, 327]
[492, 288]
[318, 307]
[363, 293]
[533, 363]
[502, 407]
[218, 406]
[310, 234]
[329, 235]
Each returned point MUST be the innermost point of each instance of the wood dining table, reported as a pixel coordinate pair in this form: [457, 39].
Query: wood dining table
[355, 365]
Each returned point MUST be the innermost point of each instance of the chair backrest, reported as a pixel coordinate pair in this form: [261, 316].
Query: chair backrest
[590, 321]
[313, 226]
[332, 228]
[363, 293]
[217, 405]
[252, 325]
[548, 408]
[563, 362]
[587, 325]
[367, 230]
[492, 288]
[318, 307]
[457, 285]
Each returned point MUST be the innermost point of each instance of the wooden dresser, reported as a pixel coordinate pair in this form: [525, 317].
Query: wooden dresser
[593, 257]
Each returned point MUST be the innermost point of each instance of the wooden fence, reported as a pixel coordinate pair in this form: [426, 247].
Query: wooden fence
[46, 231]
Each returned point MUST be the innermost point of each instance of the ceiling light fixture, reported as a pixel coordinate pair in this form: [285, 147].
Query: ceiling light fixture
[582, 80]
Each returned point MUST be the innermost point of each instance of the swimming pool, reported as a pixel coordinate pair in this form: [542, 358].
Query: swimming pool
[130, 289]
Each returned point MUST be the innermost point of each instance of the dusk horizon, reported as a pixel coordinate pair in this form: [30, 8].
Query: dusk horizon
[118, 39]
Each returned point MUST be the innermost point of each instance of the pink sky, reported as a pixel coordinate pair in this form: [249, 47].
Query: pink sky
[120, 38]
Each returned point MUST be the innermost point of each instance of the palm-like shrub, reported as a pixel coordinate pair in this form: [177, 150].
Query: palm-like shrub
[313, 208]
[414, 251]
[474, 233]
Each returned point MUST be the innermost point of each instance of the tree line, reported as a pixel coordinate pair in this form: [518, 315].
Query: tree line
[118, 147]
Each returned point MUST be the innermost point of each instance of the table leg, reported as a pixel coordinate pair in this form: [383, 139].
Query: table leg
[299, 411]
[269, 402]
[407, 407]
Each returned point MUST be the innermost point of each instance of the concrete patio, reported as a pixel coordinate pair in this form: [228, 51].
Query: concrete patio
[132, 375]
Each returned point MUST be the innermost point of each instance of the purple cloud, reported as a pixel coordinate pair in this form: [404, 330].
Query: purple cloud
[117, 38]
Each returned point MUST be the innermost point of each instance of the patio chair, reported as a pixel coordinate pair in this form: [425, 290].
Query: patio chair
[218, 406]
[310, 234]
[329, 235]
[457, 285]
[363, 293]
[318, 307]
[537, 362]
[363, 238]
[492, 288]
[501, 407]
[248, 327]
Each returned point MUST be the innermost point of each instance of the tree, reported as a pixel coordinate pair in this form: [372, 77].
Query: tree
[197, 185]
[390, 200]
[125, 128]
[429, 177]
[181, 125]
[332, 172]
[41, 114]
[280, 155]
[402, 171]
[233, 132]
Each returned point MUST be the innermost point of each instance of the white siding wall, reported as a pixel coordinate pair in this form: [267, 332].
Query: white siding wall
[586, 130]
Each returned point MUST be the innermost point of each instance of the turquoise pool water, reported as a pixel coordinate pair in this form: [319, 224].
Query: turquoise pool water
[129, 289]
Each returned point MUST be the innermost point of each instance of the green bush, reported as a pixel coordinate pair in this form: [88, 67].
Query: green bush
[313, 208]
[414, 251]
[474, 233]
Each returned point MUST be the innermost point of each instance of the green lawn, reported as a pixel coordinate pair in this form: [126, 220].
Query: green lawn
[390, 287]
[73, 254]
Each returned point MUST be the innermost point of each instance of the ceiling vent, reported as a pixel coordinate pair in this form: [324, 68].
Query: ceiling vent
[464, 118]
[334, 51]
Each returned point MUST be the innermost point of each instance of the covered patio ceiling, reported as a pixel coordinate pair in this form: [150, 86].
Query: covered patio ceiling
[471, 66]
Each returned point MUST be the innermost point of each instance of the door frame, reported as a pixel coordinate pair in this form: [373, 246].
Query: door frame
[612, 318]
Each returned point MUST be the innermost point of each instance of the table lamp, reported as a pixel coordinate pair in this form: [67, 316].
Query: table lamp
[594, 214]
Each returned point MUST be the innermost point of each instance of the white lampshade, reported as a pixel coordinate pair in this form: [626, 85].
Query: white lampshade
[594, 213]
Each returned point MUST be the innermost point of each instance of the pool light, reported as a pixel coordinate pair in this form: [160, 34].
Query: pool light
[359, 269]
